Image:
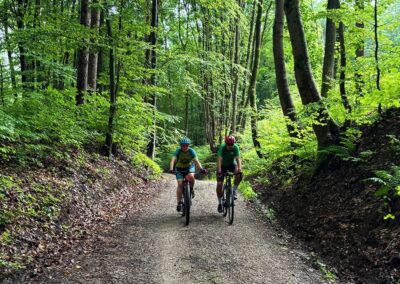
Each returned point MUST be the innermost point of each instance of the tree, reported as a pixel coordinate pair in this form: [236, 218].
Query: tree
[253, 79]
[280, 70]
[83, 57]
[113, 92]
[94, 55]
[304, 76]
[152, 60]
[235, 73]
[329, 54]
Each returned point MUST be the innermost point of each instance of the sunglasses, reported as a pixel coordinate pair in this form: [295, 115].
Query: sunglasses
[229, 144]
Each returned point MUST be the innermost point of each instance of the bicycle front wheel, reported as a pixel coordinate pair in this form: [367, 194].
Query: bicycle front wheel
[230, 205]
[187, 197]
[225, 203]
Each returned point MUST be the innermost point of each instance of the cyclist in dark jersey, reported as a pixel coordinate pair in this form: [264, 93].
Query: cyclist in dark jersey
[228, 160]
[184, 159]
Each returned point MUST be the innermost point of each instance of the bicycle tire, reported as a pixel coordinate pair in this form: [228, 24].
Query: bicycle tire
[224, 204]
[186, 197]
[231, 207]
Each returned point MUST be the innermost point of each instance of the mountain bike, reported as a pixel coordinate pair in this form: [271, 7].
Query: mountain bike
[228, 199]
[186, 196]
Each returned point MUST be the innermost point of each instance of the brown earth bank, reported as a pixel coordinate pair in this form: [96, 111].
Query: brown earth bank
[83, 198]
[337, 213]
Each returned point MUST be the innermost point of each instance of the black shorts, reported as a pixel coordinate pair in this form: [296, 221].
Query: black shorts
[230, 168]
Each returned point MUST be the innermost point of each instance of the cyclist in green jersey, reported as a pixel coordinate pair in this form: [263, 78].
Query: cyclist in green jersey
[228, 160]
[184, 159]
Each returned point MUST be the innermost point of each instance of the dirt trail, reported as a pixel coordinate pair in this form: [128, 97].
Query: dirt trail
[155, 247]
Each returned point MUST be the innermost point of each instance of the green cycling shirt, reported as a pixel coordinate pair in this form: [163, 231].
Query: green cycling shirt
[228, 156]
[185, 159]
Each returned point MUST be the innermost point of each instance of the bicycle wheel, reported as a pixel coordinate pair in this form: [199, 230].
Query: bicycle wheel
[183, 209]
[186, 197]
[224, 202]
[231, 207]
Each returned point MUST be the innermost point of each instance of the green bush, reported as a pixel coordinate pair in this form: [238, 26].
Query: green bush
[146, 166]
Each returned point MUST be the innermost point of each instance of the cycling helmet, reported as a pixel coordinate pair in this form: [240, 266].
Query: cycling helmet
[230, 140]
[184, 141]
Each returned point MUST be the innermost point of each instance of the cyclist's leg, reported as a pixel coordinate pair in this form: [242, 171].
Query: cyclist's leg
[219, 190]
[238, 178]
[179, 190]
[191, 179]
[236, 181]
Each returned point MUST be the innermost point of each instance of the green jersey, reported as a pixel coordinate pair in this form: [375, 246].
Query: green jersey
[228, 156]
[185, 159]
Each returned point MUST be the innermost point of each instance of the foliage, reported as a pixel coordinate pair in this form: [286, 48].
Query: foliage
[146, 166]
[389, 188]
[246, 190]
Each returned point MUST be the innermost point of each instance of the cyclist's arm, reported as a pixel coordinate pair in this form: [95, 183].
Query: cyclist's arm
[197, 163]
[239, 164]
[172, 163]
[219, 163]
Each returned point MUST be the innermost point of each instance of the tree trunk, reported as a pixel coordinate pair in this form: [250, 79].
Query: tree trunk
[329, 54]
[253, 80]
[243, 104]
[2, 85]
[235, 75]
[303, 73]
[93, 56]
[22, 57]
[113, 95]
[360, 50]
[10, 58]
[342, 84]
[378, 70]
[153, 62]
[280, 70]
[186, 114]
[83, 57]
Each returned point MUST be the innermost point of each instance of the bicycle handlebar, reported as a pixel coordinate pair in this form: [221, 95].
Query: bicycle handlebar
[231, 174]
[187, 172]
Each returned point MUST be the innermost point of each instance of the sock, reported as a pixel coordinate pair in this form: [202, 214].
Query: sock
[219, 200]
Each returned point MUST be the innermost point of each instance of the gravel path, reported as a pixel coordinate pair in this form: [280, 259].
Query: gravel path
[156, 247]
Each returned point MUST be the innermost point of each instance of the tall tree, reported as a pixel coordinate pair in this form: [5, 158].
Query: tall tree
[280, 70]
[83, 56]
[360, 47]
[153, 63]
[94, 55]
[378, 70]
[113, 92]
[342, 83]
[304, 76]
[235, 71]
[253, 79]
[20, 16]
[244, 100]
[9, 55]
[329, 55]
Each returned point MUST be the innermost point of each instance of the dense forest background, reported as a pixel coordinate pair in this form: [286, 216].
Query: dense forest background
[292, 80]
[139, 74]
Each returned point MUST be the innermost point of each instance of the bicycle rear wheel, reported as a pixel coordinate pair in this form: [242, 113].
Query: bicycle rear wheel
[186, 197]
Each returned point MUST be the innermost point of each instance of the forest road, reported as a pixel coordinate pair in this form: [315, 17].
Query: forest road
[156, 247]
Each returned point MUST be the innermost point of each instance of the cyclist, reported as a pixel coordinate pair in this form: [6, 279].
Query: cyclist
[228, 160]
[184, 159]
